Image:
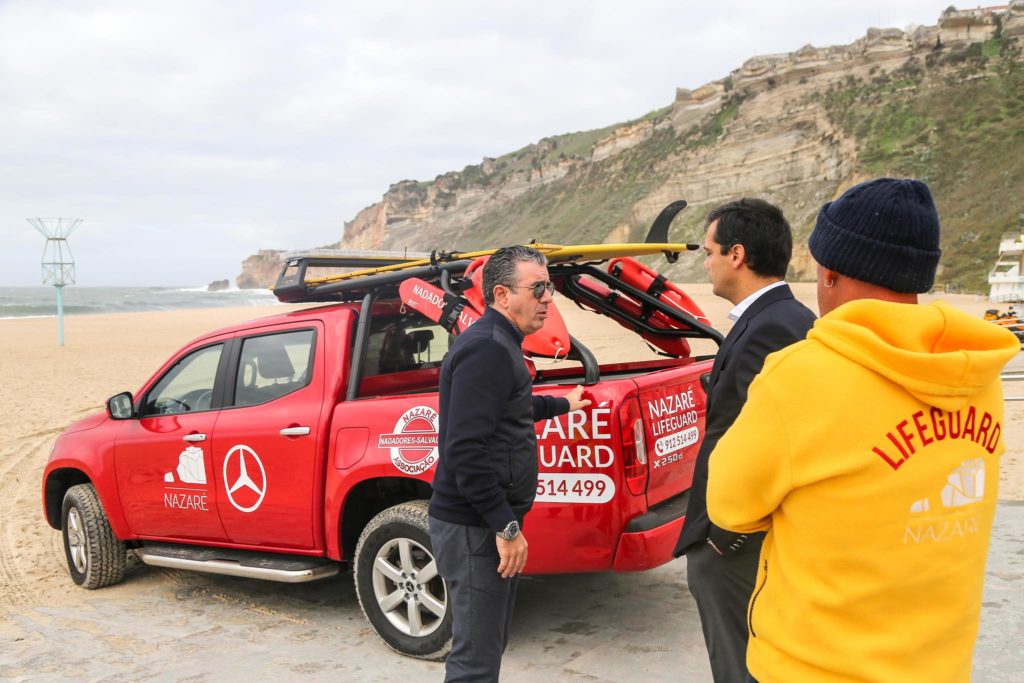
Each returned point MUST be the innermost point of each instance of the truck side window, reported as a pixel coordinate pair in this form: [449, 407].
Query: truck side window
[401, 343]
[188, 386]
[274, 365]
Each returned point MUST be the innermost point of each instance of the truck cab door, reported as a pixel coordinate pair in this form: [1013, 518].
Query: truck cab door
[266, 463]
[163, 459]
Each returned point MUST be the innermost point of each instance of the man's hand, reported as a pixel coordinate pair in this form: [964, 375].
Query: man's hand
[512, 554]
[576, 400]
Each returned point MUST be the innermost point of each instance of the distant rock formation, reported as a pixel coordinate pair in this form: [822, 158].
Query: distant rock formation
[218, 286]
[260, 270]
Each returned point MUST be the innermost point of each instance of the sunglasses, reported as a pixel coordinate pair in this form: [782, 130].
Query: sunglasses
[538, 288]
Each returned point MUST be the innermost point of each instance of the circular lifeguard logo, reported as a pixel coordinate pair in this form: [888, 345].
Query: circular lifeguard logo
[413, 445]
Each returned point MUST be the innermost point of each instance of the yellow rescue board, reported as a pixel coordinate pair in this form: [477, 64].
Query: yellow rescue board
[555, 253]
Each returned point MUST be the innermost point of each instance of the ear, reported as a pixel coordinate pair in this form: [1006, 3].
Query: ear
[737, 256]
[829, 277]
[501, 294]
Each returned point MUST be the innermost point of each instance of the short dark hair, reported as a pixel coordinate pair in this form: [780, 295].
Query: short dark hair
[500, 269]
[762, 230]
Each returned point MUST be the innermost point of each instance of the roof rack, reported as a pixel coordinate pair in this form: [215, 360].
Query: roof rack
[367, 270]
[294, 285]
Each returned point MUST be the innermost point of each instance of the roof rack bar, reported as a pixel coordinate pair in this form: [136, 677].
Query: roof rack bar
[375, 255]
[300, 291]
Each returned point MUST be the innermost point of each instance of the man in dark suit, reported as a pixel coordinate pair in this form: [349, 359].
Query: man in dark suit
[748, 245]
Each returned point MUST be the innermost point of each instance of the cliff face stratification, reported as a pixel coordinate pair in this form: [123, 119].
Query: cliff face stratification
[794, 128]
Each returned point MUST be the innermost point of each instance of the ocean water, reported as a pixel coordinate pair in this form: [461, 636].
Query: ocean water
[40, 302]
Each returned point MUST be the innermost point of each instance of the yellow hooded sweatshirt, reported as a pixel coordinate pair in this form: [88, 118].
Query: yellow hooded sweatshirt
[870, 453]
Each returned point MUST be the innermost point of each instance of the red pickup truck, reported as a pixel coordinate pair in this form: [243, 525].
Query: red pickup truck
[284, 447]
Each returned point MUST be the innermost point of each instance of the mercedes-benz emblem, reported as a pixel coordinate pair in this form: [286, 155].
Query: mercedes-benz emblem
[244, 482]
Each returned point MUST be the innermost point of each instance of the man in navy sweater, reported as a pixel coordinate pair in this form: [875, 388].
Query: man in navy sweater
[486, 477]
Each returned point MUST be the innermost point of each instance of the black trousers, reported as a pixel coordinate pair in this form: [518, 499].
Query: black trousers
[722, 586]
[481, 601]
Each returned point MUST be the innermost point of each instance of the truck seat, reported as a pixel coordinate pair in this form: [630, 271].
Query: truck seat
[397, 352]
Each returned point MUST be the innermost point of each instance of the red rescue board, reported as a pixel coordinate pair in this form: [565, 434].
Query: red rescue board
[425, 298]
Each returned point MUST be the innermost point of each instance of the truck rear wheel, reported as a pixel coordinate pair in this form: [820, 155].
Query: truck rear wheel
[402, 595]
[95, 557]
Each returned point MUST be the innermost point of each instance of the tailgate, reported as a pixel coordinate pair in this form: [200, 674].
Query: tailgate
[673, 406]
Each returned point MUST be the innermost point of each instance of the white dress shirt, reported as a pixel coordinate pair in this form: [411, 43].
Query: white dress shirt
[742, 306]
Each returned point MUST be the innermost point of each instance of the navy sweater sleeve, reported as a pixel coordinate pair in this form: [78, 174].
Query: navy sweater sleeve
[481, 383]
[545, 407]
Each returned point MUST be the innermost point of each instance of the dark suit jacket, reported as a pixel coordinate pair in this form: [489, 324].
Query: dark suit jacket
[775, 320]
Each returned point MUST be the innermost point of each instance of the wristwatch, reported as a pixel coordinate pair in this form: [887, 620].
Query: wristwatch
[510, 531]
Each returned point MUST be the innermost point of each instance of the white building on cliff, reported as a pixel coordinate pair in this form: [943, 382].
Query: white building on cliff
[1006, 279]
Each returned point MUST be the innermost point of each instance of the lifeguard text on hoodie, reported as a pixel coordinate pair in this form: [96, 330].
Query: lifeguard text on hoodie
[870, 453]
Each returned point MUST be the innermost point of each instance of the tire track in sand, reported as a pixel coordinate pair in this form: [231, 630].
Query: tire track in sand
[26, 555]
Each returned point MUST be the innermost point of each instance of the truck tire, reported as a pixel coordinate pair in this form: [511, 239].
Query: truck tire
[400, 592]
[95, 557]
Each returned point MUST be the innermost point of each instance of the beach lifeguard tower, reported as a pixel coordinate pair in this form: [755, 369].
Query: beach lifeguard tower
[58, 262]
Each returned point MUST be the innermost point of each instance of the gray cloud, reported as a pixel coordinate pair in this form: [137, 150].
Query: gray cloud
[189, 134]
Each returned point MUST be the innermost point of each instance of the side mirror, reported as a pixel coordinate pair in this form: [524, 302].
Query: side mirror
[120, 407]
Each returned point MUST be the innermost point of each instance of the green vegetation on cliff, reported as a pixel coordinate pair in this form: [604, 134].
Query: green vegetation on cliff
[592, 199]
[586, 204]
[955, 120]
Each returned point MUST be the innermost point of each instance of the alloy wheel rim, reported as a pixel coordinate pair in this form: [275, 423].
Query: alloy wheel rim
[77, 542]
[408, 589]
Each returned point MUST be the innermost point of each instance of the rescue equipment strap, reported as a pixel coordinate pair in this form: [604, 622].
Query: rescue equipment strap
[657, 287]
[453, 306]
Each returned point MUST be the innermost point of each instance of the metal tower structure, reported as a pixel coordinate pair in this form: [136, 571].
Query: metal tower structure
[58, 263]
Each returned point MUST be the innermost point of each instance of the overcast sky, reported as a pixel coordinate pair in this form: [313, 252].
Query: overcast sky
[187, 135]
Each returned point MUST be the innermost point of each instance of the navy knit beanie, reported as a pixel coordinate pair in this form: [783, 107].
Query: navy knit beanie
[884, 231]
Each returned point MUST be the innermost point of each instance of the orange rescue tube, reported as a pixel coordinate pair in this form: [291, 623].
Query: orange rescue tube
[676, 346]
[551, 341]
[648, 280]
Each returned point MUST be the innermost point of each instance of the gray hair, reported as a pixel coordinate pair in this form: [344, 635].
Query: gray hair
[500, 269]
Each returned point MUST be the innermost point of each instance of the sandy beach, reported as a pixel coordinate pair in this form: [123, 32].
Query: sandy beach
[121, 630]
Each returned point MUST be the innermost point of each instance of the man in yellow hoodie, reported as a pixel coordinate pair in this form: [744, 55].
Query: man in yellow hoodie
[870, 453]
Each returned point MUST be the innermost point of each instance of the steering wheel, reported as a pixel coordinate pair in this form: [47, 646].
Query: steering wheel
[165, 402]
[204, 400]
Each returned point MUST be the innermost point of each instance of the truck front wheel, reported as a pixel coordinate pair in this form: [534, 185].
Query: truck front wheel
[95, 557]
[402, 595]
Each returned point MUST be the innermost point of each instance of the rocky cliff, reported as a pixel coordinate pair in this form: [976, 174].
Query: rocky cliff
[795, 128]
[260, 270]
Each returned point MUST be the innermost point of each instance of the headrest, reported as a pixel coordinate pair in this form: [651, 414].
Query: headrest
[273, 363]
[417, 341]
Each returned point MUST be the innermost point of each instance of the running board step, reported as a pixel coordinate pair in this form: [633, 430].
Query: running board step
[231, 562]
